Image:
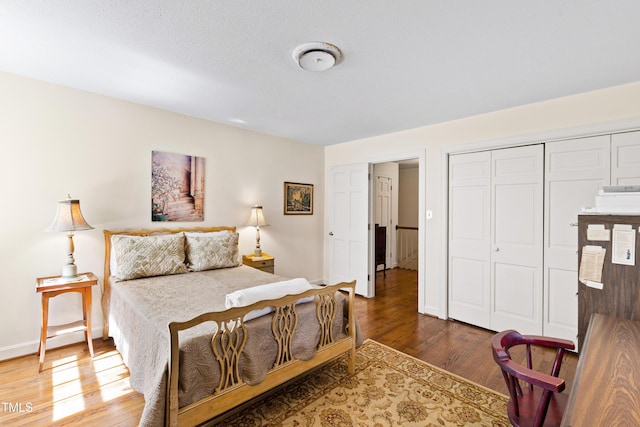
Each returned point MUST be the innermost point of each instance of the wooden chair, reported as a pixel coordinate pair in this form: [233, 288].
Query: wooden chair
[541, 403]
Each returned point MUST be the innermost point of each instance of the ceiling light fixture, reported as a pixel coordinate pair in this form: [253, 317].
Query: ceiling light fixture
[317, 56]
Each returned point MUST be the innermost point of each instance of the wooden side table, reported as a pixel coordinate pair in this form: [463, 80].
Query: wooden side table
[264, 263]
[53, 286]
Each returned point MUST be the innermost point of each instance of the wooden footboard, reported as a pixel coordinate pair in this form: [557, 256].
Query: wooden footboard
[228, 344]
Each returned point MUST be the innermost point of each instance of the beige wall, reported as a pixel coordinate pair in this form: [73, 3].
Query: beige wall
[408, 197]
[57, 140]
[613, 108]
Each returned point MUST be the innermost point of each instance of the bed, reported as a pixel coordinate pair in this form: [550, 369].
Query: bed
[202, 334]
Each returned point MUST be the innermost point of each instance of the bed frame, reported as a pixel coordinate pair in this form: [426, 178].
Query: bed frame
[230, 337]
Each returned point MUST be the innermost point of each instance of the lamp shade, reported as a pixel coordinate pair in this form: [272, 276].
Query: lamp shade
[69, 217]
[256, 219]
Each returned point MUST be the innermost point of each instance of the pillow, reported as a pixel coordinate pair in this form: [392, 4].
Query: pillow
[207, 251]
[146, 256]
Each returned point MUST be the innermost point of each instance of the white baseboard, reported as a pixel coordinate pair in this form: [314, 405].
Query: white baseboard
[31, 347]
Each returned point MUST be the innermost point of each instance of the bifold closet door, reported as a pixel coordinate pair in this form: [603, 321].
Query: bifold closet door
[575, 170]
[517, 184]
[469, 238]
[495, 238]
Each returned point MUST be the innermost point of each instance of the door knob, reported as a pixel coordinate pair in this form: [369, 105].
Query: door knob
[496, 249]
[331, 233]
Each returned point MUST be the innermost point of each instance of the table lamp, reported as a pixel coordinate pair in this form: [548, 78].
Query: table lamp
[256, 220]
[69, 218]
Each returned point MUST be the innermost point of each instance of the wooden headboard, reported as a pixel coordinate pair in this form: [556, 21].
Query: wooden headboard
[149, 232]
[141, 232]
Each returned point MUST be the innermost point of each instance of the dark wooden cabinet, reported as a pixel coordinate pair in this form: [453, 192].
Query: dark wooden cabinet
[381, 246]
[620, 294]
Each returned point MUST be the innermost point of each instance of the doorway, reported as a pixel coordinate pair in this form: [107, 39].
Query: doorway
[396, 213]
[350, 222]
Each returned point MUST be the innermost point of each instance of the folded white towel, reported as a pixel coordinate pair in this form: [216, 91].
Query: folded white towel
[248, 296]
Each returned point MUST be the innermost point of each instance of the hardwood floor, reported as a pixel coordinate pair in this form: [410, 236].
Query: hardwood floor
[74, 389]
[392, 318]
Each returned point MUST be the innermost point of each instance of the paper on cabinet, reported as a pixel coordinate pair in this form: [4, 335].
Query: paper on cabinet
[598, 232]
[591, 264]
[624, 245]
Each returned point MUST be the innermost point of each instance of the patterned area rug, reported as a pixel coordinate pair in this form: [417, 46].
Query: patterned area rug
[389, 388]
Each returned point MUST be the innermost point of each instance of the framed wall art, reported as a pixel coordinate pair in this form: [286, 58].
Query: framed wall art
[177, 187]
[298, 198]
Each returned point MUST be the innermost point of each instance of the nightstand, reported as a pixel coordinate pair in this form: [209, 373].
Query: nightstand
[264, 263]
[53, 286]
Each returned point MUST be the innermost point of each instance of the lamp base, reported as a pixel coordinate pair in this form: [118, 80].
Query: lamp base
[69, 271]
[257, 252]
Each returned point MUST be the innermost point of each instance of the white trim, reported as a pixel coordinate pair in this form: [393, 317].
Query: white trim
[423, 306]
[31, 347]
[444, 226]
[371, 238]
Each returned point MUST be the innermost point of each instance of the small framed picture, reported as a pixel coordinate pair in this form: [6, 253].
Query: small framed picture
[298, 198]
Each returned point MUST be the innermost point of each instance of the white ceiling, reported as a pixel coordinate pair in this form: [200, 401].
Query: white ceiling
[406, 63]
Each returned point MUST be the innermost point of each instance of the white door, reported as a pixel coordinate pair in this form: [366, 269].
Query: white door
[574, 172]
[348, 226]
[516, 238]
[382, 215]
[625, 159]
[469, 238]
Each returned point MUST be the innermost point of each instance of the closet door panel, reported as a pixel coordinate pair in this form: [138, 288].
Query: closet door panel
[516, 241]
[574, 172]
[625, 156]
[469, 220]
[514, 283]
[562, 309]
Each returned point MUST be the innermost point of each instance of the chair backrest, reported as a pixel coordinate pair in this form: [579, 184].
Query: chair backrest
[523, 408]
